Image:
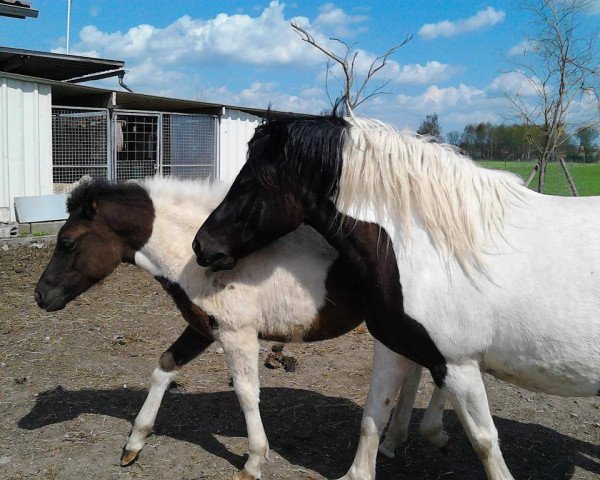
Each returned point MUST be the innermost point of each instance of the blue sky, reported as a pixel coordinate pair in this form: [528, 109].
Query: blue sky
[245, 53]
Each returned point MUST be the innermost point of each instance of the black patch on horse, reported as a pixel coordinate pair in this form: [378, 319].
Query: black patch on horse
[368, 249]
[197, 318]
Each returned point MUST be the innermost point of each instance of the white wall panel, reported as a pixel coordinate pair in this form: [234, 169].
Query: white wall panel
[25, 142]
[235, 130]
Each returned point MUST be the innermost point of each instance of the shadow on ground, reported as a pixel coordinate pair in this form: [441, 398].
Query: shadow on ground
[320, 433]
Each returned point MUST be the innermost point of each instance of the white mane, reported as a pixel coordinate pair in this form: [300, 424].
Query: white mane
[403, 175]
[201, 196]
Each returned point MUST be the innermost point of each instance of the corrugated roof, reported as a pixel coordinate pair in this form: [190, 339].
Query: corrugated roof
[53, 66]
[17, 9]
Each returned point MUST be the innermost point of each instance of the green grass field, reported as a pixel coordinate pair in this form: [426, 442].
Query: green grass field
[585, 175]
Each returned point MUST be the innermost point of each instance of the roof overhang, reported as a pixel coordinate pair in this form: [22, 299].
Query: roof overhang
[76, 95]
[54, 66]
[17, 9]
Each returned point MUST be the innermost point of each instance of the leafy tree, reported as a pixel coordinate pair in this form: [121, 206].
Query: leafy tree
[586, 137]
[431, 127]
[453, 137]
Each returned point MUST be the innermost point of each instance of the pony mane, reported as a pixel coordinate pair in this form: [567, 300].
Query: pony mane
[104, 190]
[403, 175]
[201, 194]
[186, 193]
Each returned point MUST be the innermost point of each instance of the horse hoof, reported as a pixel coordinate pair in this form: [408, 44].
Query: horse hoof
[445, 449]
[386, 451]
[129, 457]
[243, 475]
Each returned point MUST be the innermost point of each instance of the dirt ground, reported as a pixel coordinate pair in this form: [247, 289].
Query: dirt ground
[70, 388]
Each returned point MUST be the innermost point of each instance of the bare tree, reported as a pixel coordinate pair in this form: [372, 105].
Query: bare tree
[354, 90]
[560, 67]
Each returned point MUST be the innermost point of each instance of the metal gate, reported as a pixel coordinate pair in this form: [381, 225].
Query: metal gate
[124, 145]
[189, 146]
[135, 145]
[80, 145]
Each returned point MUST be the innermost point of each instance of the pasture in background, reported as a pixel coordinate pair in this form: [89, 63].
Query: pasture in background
[585, 175]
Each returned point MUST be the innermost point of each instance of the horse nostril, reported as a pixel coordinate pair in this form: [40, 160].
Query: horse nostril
[38, 297]
[196, 246]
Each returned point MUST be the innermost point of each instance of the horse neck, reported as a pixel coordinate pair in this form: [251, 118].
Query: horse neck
[176, 221]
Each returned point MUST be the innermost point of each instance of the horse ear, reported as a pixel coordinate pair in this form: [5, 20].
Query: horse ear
[89, 205]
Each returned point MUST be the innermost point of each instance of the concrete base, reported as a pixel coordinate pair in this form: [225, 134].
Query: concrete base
[49, 228]
[24, 228]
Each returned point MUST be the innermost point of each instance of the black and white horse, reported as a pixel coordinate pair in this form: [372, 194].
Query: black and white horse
[466, 270]
[298, 289]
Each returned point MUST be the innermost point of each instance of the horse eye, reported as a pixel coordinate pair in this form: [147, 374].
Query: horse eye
[66, 245]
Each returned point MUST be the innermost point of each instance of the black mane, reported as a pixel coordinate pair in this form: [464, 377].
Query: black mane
[308, 152]
[103, 190]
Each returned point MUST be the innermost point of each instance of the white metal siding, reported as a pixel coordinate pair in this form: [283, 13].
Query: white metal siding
[235, 130]
[25, 142]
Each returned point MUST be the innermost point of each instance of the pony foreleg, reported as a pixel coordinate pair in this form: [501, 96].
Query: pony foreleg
[467, 394]
[241, 352]
[389, 371]
[397, 431]
[432, 426]
[189, 345]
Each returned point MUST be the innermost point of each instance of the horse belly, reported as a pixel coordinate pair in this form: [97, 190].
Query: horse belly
[540, 373]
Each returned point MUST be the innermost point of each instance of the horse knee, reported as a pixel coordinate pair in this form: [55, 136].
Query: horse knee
[484, 443]
[166, 362]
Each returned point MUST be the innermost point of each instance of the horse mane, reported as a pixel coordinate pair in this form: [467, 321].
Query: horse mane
[400, 174]
[101, 189]
[311, 146]
[174, 190]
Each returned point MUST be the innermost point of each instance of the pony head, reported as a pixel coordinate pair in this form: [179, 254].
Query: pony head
[94, 240]
[293, 166]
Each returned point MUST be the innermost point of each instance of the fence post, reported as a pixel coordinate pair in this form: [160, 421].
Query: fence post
[568, 175]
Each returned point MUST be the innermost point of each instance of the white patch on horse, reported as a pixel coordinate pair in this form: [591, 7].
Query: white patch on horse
[144, 421]
[403, 175]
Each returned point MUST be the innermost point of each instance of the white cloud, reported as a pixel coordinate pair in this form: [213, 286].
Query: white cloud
[448, 28]
[417, 74]
[515, 82]
[262, 94]
[264, 40]
[407, 74]
[334, 20]
[522, 48]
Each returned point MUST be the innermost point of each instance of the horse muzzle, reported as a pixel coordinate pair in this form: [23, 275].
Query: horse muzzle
[207, 257]
[48, 300]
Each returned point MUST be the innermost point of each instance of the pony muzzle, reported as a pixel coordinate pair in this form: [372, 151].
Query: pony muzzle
[216, 261]
[205, 257]
[49, 301]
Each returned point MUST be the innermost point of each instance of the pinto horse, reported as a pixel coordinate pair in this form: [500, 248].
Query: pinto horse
[465, 269]
[298, 289]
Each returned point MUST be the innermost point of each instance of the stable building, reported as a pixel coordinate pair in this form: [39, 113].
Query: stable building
[54, 130]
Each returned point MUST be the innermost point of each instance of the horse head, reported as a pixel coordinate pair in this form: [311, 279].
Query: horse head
[107, 223]
[292, 169]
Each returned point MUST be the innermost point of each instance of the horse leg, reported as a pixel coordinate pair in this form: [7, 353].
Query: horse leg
[397, 431]
[389, 371]
[188, 346]
[241, 352]
[432, 426]
[466, 390]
